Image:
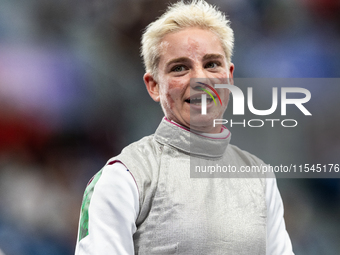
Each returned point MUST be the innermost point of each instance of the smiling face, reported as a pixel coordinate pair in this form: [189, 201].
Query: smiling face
[186, 54]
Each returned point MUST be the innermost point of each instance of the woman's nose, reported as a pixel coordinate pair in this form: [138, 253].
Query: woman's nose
[199, 72]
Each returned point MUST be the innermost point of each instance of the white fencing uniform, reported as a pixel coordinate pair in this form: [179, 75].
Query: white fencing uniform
[144, 201]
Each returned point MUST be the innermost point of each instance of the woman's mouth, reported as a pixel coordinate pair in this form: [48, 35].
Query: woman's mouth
[197, 100]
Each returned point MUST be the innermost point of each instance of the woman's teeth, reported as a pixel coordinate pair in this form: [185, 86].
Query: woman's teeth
[198, 101]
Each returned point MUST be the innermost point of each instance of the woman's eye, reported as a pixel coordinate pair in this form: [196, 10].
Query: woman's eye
[211, 65]
[178, 69]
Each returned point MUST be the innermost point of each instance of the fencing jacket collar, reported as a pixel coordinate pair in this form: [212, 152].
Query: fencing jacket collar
[195, 144]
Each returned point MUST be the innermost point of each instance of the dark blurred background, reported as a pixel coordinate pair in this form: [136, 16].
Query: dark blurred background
[72, 96]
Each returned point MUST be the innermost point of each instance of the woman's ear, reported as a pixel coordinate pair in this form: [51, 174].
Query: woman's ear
[152, 86]
[231, 74]
[231, 70]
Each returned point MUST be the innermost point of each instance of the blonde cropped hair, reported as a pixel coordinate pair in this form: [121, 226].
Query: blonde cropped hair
[180, 15]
